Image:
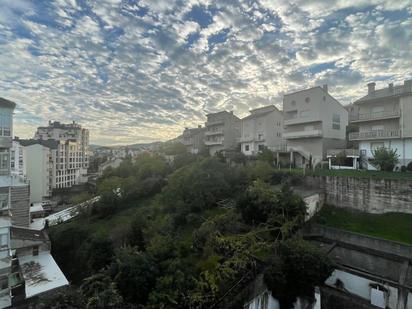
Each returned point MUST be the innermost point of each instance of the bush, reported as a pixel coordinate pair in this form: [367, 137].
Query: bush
[385, 159]
[403, 169]
[409, 166]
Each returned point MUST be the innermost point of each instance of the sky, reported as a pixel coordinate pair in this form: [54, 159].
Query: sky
[141, 70]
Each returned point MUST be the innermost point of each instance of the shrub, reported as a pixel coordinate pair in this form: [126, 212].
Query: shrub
[409, 166]
[385, 159]
[403, 169]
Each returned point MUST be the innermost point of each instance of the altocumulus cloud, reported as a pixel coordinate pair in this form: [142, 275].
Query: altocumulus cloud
[138, 71]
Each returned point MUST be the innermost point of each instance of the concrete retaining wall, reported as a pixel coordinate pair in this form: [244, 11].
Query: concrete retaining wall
[365, 194]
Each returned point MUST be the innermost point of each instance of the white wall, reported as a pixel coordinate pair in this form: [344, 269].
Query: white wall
[360, 286]
[36, 163]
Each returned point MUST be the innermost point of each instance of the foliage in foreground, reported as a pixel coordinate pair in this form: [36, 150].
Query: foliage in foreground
[205, 232]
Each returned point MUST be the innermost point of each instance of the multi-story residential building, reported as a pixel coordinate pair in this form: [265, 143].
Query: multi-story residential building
[262, 128]
[222, 131]
[384, 119]
[73, 133]
[39, 166]
[27, 268]
[194, 139]
[314, 121]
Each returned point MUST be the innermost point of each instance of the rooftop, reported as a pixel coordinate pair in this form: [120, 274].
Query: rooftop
[49, 143]
[27, 234]
[41, 274]
[7, 103]
[387, 92]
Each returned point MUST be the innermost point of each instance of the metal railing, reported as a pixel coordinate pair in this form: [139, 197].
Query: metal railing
[374, 134]
[376, 115]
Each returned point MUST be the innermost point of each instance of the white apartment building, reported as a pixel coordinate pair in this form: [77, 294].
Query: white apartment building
[222, 131]
[314, 121]
[194, 139]
[262, 128]
[384, 119]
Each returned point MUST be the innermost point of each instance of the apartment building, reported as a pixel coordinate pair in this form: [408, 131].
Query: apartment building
[194, 139]
[383, 118]
[222, 131]
[262, 128]
[26, 267]
[314, 121]
[71, 133]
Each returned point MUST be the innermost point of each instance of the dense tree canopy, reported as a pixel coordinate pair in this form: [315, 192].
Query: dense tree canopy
[185, 236]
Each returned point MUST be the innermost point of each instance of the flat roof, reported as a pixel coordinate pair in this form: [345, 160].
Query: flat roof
[41, 274]
[7, 103]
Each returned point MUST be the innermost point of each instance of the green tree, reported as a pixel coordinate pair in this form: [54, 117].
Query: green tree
[298, 269]
[340, 158]
[67, 299]
[385, 159]
[100, 292]
[266, 155]
[99, 253]
[134, 274]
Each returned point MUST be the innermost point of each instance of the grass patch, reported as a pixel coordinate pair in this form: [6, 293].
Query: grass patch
[391, 226]
[350, 173]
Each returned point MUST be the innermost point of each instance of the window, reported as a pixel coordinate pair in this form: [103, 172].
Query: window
[4, 282]
[35, 250]
[304, 114]
[5, 122]
[4, 162]
[4, 240]
[307, 99]
[293, 103]
[336, 122]
[261, 147]
[375, 146]
[246, 147]
[4, 201]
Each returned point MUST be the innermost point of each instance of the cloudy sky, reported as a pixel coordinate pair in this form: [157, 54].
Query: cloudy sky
[142, 70]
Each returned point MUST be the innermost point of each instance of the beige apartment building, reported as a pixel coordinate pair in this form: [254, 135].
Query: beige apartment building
[262, 128]
[314, 122]
[222, 131]
[194, 139]
[383, 118]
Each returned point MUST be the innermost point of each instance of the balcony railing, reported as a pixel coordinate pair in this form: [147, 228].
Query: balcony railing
[302, 134]
[213, 142]
[376, 116]
[379, 134]
[216, 132]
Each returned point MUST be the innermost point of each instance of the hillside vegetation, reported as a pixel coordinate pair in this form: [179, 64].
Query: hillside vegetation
[191, 235]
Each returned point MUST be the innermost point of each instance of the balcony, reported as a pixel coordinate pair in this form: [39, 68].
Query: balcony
[375, 116]
[216, 132]
[214, 142]
[380, 134]
[214, 123]
[302, 134]
[250, 139]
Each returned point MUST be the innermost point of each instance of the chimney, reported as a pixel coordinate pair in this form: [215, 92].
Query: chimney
[325, 88]
[407, 85]
[371, 88]
[390, 87]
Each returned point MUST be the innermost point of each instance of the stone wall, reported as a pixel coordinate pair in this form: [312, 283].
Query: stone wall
[365, 194]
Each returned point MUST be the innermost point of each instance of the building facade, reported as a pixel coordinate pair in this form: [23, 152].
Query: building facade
[222, 131]
[383, 118]
[194, 139]
[314, 121]
[76, 140]
[23, 252]
[262, 128]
